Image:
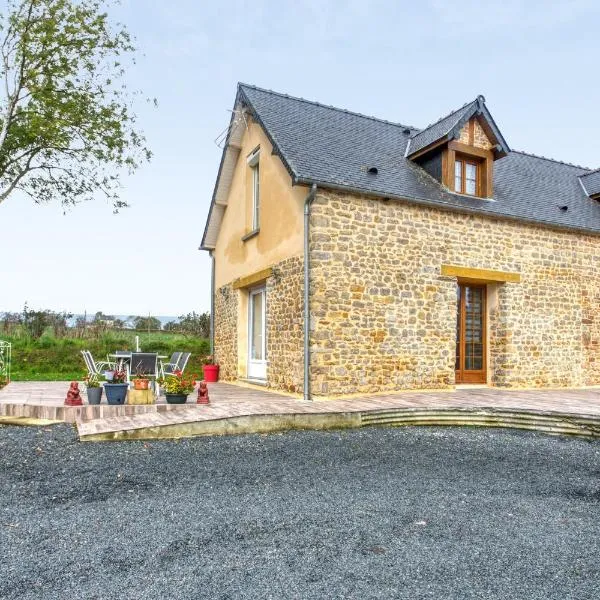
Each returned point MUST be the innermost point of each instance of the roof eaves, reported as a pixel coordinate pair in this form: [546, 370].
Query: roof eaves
[276, 147]
[216, 186]
[444, 205]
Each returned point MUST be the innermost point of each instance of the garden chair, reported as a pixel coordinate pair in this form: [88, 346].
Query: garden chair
[183, 361]
[145, 364]
[93, 367]
[170, 367]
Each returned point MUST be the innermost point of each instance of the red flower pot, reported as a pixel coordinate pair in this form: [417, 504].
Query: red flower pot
[211, 373]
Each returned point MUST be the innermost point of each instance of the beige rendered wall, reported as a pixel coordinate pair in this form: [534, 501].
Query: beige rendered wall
[281, 210]
[279, 245]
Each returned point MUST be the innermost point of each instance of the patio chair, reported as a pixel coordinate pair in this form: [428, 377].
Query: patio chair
[93, 367]
[170, 367]
[183, 360]
[143, 363]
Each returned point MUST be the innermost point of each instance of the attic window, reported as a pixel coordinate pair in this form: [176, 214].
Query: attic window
[466, 177]
[372, 170]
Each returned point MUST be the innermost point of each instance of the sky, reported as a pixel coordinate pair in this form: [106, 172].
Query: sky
[535, 62]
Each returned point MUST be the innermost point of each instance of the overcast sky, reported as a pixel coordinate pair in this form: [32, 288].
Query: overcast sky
[536, 63]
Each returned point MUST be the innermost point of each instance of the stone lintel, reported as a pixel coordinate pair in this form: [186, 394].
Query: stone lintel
[482, 275]
[243, 282]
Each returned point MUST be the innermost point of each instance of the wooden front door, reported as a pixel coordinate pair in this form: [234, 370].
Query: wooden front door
[471, 334]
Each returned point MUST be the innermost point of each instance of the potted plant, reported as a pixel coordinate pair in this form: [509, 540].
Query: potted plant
[178, 387]
[211, 370]
[116, 389]
[93, 389]
[140, 381]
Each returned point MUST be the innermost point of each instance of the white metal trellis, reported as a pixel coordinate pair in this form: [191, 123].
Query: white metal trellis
[5, 357]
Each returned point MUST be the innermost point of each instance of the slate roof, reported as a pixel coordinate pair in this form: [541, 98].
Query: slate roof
[441, 128]
[591, 182]
[334, 148]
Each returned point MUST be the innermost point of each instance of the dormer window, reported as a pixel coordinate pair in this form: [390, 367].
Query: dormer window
[459, 150]
[466, 176]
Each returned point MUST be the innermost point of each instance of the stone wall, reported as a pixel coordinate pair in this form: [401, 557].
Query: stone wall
[480, 139]
[226, 332]
[284, 327]
[285, 305]
[384, 318]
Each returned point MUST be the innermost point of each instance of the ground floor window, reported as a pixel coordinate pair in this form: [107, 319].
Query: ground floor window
[257, 350]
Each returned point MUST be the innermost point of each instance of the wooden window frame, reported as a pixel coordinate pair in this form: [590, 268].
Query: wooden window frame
[467, 160]
[463, 375]
[483, 159]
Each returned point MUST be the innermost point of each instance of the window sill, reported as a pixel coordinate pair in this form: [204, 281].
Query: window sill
[250, 234]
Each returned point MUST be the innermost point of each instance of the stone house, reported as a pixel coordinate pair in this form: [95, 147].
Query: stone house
[430, 257]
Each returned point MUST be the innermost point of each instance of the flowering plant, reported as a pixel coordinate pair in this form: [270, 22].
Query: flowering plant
[178, 383]
[91, 380]
[208, 360]
[118, 376]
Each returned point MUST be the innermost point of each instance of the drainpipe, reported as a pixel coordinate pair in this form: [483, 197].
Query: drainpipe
[307, 202]
[212, 303]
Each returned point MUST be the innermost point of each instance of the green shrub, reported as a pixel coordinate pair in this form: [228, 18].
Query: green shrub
[49, 358]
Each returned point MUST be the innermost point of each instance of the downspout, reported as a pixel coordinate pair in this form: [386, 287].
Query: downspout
[307, 202]
[212, 304]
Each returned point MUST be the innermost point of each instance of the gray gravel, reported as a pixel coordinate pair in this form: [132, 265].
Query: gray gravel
[372, 513]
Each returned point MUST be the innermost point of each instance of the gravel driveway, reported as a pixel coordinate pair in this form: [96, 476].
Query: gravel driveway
[373, 513]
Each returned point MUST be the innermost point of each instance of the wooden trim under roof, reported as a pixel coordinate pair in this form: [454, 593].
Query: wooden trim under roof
[481, 275]
[249, 280]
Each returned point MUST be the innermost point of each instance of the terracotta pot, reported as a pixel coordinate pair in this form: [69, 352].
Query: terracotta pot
[211, 373]
[140, 384]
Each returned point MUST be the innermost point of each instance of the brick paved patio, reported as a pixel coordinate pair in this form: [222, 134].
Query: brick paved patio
[236, 405]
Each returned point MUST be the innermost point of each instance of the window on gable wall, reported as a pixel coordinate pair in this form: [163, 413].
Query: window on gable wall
[254, 164]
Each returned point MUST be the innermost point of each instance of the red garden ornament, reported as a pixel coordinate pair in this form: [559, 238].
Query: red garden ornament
[73, 396]
[203, 393]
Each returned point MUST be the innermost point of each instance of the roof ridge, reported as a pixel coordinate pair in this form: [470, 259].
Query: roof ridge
[445, 116]
[555, 160]
[591, 172]
[329, 106]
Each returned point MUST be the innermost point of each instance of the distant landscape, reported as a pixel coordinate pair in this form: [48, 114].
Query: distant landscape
[46, 345]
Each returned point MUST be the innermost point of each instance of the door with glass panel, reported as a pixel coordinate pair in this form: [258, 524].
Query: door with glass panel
[471, 334]
[257, 348]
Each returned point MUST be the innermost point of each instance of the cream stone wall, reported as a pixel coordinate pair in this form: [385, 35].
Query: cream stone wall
[384, 318]
[284, 331]
[226, 332]
[480, 139]
[281, 214]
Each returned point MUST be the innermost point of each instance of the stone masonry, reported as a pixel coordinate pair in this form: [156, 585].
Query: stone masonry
[384, 318]
[226, 332]
[480, 140]
[284, 327]
[285, 319]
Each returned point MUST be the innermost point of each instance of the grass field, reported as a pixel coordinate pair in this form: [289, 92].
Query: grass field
[55, 359]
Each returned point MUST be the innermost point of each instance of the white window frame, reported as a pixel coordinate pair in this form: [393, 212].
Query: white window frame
[254, 163]
[257, 369]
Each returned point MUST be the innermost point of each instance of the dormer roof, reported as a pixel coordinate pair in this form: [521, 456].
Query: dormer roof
[591, 183]
[448, 128]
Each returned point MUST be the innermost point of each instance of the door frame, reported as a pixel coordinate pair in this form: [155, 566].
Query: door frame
[461, 374]
[257, 369]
